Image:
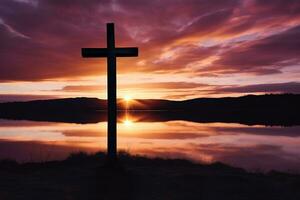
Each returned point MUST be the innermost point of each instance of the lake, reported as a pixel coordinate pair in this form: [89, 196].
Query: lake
[253, 147]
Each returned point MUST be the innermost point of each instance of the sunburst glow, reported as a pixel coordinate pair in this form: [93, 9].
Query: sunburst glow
[127, 98]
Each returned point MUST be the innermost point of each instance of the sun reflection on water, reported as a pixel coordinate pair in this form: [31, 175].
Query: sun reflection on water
[128, 122]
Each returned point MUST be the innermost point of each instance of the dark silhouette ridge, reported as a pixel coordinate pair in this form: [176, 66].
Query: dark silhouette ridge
[83, 176]
[277, 109]
[111, 53]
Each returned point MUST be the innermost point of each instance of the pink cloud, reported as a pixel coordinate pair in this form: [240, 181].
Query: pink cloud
[56, 31]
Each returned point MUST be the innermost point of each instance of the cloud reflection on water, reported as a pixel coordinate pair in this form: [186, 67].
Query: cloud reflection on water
[252, 147]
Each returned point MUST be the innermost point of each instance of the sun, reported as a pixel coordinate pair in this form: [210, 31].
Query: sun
[127, 98]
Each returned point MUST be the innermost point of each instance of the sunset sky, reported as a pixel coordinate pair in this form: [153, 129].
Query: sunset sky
[187, 48]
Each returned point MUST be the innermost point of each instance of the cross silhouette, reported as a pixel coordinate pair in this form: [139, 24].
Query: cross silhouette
[111, 53]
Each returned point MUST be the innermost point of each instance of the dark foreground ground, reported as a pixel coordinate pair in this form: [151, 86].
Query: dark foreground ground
[87, 177]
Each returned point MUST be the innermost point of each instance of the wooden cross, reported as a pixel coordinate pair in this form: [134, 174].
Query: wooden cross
[111, 52]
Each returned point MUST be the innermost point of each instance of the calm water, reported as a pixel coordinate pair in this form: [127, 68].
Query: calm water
[251, 147]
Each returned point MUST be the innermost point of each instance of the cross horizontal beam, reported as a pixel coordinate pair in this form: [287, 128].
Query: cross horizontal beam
[104, 52]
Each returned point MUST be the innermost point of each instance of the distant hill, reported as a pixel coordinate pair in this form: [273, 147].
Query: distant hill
[252, 109]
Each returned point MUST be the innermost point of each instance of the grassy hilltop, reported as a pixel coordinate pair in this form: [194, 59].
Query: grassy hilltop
[83, 176]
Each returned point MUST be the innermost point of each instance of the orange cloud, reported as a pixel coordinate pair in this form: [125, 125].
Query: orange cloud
[51, 48]
[198, 39]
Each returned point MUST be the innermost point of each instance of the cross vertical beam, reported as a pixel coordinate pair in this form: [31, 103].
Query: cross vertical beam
[111, 53]
[111, 94]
